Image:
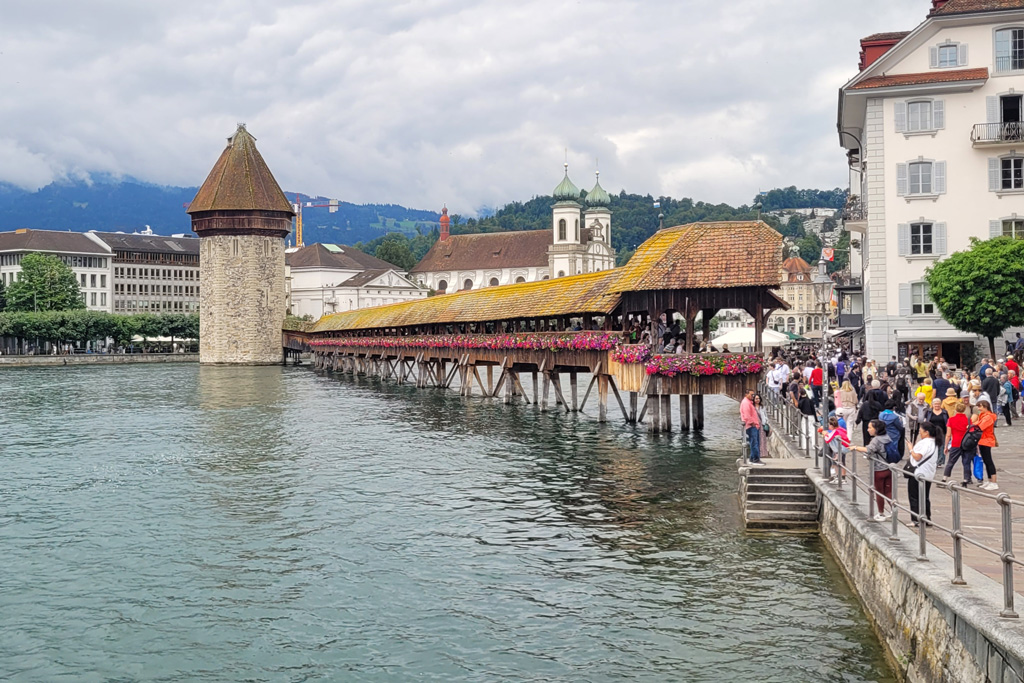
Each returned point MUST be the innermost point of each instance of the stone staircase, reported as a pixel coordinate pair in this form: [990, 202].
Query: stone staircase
[779, 497]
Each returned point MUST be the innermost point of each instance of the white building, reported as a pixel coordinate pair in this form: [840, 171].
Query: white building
[330, 278]
[153, 273]
[932, 125]
[89, 259]
[580, 241]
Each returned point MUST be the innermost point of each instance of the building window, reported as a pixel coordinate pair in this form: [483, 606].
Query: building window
[468, 284]
[577, 229]
[920, 178]
[919, 116]
[520, 280]
[920, 301]
[103, 281]
[442, 285]
[494, 282]
[103, 298]
[947, 56]
[234, 247]
[561, 229]
[561, 273]
[1013, 228]
[1012, 173]
[920, 238]
[1009, 49]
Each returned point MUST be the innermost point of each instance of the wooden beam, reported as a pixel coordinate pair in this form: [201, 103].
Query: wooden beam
[590, 386]
[615, 390]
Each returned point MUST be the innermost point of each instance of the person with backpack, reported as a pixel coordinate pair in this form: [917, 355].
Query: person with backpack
[958, 446]
[922, 462]
[986, 421]
[877, 453]
[895, 430]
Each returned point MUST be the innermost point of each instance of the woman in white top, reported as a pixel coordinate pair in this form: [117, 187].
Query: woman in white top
[846, 403]
[923, 460]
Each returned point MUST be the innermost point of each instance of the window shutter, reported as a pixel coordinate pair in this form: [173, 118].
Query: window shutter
[961, 55]
[903, 239]
[992, 109]
[900, 109]
[995, 229]
[904, 298]
[933, 57]
[901, 180]
[993, 174]
[939, 177]
[939, 239]
[939, 114]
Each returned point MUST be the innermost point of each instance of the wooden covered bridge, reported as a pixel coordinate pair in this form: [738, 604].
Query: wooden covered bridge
[484, 340]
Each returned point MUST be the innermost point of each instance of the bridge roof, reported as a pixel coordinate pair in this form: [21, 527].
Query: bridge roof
[697, 256]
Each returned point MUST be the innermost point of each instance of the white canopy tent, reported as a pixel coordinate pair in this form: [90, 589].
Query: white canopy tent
[742, 339]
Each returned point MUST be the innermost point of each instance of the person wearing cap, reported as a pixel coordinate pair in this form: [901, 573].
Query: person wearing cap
[950, 401]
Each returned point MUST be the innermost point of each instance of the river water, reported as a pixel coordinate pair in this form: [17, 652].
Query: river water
[178, 523]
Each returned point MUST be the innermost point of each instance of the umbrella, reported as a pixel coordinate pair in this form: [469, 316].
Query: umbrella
[743, 339]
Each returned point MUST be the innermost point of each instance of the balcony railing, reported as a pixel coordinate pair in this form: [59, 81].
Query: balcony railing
[855, 210]
[992, 133]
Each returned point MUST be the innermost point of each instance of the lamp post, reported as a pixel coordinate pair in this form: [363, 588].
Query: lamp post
[822, 284]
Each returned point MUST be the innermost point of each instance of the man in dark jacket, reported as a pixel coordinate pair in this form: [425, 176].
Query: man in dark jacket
[941, 384]
[990, 385]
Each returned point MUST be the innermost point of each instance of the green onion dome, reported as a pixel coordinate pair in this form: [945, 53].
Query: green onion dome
[598, 196]
[566, 191]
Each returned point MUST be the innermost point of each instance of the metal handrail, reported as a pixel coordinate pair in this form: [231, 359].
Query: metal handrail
[779, 408]
[1010, 131]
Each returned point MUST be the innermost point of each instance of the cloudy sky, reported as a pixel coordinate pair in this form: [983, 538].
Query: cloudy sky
[469, 102]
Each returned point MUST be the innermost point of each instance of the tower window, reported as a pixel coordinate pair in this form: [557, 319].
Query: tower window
[235, 246]
[561, 229]
[577, 229]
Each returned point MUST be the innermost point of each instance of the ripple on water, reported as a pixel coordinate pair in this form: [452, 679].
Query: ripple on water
[268, 524]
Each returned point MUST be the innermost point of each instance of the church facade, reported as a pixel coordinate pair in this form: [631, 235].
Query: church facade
[579, 241]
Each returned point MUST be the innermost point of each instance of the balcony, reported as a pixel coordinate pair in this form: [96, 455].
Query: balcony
[851, 320]
[855, 214]
[985, 134]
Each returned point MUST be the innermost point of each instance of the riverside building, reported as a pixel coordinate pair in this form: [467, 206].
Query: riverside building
[153, 273]
[579, 241]
[88, 257]
[933, 125]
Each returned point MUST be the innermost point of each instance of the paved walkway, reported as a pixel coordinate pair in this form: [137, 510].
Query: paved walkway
[980, 517]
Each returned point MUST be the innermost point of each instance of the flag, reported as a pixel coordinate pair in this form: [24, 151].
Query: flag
[828, 253]
[833, 299]
[657, 205]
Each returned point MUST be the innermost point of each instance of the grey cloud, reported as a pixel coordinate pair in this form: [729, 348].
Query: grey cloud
[469, 103]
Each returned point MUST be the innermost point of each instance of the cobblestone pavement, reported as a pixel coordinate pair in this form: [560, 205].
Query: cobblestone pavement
[980, 515]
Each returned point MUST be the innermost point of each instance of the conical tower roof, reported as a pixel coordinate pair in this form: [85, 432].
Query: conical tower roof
[240, 181]
[598, 196]
[566, 191]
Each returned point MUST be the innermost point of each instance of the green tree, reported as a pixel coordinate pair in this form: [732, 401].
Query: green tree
[979, 290]
[45, 284]
[810, 248]
[3, 296]
[396, 252]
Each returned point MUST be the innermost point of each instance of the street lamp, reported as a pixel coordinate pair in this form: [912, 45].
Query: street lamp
[822, 284]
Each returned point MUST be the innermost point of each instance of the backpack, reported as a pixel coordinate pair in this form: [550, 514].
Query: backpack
[972, 437]
[892, 430]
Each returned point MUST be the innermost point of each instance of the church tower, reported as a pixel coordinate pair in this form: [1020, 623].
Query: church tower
[242, 218]
[597, 221]
[564, 255]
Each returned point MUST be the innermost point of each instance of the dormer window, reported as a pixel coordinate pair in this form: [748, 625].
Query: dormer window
[948, 55]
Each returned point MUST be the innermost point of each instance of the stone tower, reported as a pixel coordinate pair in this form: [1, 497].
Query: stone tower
[242, 218]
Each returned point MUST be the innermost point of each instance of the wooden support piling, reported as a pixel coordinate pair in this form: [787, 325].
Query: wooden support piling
[698, 413]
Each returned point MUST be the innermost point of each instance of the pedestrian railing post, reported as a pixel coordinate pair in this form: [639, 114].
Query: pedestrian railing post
[922, 521]
[895, 532]
[1007, 557]
[958, 546]
[853, 480]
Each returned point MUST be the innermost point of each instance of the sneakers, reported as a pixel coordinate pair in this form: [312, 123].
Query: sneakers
[756, 463]
[991, 486]
[879, 518]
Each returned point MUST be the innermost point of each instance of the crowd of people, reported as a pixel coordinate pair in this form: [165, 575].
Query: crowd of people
[924, 413]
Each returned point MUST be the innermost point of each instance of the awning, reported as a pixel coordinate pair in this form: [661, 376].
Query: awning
[934, 335]
[848, 332]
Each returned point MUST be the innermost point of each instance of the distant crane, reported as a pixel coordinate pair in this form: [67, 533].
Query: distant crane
[331, 206]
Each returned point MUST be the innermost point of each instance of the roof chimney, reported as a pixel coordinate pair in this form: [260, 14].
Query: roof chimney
[938, 4]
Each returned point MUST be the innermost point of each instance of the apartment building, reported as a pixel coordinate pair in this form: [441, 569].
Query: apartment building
[89, 259]
[932, 126]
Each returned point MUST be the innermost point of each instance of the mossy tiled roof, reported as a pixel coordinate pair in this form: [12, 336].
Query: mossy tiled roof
[240, 181]
[696, 256]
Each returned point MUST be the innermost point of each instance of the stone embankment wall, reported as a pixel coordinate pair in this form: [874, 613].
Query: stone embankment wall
[98, 359]
[932, 630]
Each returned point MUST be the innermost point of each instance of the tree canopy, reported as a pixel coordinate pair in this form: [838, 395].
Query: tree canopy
[396, 252]
[792, 198]
[45, 284]
[85, 326]
[3, 296]
[979, 290]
